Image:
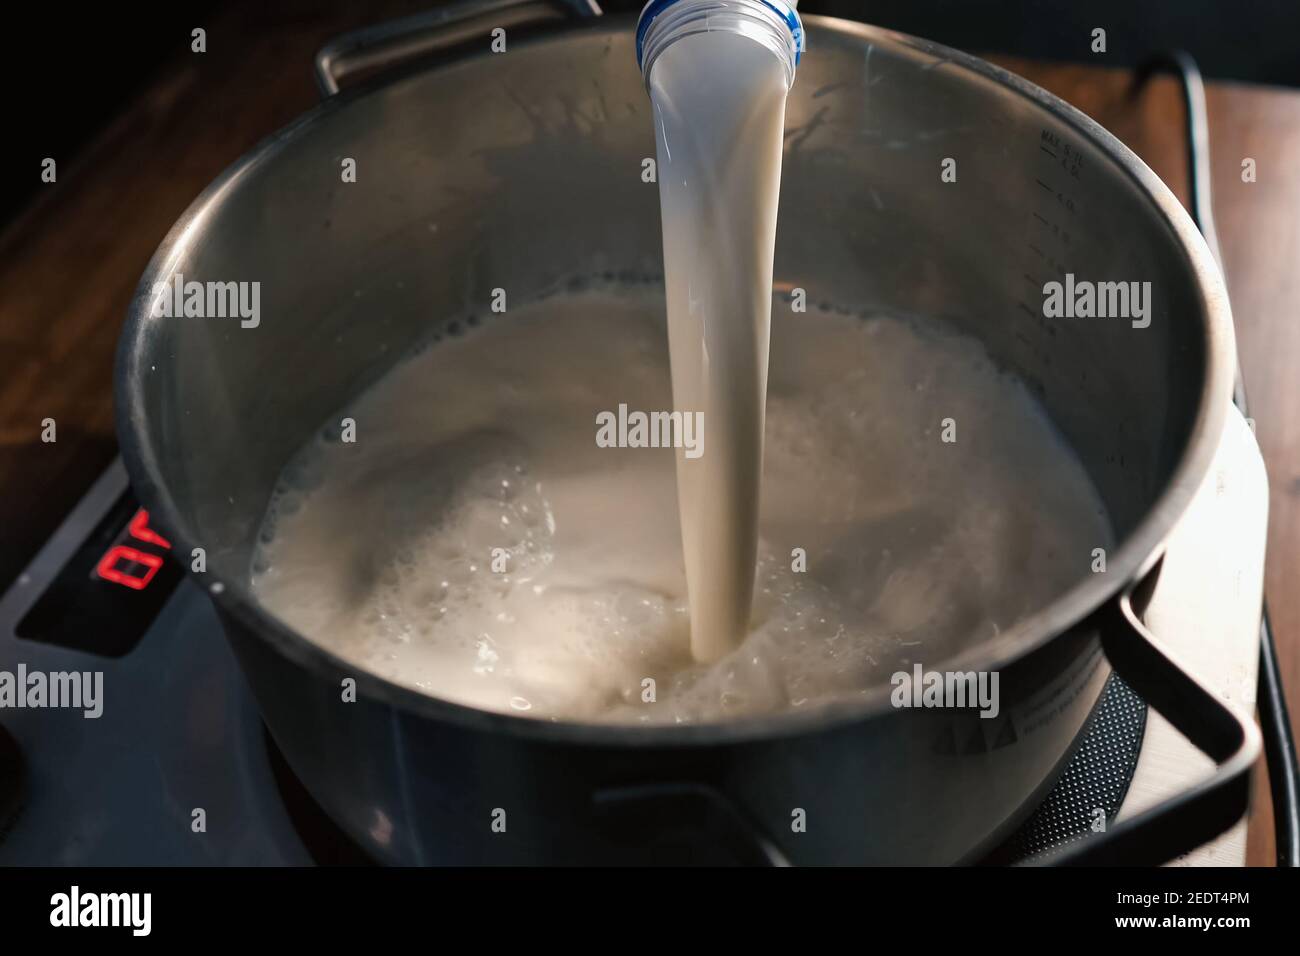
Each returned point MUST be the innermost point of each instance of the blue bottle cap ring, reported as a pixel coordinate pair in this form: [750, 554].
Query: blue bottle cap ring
[782, 9]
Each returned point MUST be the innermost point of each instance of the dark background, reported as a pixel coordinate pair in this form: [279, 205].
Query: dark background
[67, 71]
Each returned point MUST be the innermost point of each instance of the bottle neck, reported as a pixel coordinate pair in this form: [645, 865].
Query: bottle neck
[774, 24]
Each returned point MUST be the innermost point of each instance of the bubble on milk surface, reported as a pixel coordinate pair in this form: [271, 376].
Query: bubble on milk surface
[382, 551]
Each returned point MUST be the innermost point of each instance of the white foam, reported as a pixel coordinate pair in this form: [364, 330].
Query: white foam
[381, 550]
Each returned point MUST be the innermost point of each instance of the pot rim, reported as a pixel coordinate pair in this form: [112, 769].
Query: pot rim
[1136, 555]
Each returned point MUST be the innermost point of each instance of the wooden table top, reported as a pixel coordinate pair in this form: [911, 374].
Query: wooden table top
[70, 263]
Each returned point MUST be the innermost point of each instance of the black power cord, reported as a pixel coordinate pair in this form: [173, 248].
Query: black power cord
[1275, 722]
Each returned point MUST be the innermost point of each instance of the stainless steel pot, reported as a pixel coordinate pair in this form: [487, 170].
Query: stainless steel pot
[527, 165]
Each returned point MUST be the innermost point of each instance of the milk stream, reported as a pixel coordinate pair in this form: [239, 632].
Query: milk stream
[719, 113]
[476, 544]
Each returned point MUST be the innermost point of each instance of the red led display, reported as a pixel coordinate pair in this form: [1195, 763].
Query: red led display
[110, 589]
[129, 566]
[110, 566]
[140, 530]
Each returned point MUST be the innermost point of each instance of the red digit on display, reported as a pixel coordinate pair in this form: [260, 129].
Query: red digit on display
[108, 570]
[140, 530]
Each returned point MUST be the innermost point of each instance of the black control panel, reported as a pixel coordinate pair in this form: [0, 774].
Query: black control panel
[109, 590]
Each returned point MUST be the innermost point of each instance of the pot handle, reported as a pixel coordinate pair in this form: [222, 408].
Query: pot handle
[1216, 728]
[384, 44]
